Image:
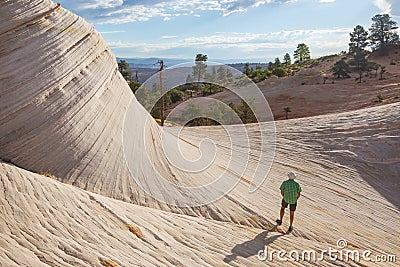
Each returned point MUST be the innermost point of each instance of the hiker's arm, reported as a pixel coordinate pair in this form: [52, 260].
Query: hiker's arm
[281, 192]
[298, 195]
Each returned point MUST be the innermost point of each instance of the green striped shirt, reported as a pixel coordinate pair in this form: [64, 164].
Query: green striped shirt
[290, 189]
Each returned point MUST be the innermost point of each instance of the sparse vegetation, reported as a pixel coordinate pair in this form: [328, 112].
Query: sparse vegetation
[360, 63]
[327, 58]
[123, 68]
[379, 97]
[216, 113]
[135, 230]
[134, 85]
[281, 69]
[373, 66]
[287, 110]
[202, 83]
[47, 174]
[245, 111]
[341, 69]
[108, 263]
[254, 218]
[383, 71]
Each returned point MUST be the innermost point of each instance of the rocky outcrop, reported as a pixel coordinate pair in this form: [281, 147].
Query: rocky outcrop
[62, 110]
[62, 98]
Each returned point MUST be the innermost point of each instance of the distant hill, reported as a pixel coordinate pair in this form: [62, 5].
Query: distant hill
[307, 94]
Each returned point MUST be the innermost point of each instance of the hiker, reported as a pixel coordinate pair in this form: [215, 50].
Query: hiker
[290, 191]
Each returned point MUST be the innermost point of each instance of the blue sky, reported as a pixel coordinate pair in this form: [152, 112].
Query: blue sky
[250, 30]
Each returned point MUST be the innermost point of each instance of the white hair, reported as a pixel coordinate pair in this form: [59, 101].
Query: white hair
[291, 175]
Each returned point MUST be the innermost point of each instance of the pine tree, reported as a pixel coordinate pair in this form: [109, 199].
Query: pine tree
[302, 53]
[123, 68]
[247, 69]
[360, 62]
[287, 110]
[200, 67]
[287, 60]
[383, 32]
[341, 69]
[358, 39]
[277, 63]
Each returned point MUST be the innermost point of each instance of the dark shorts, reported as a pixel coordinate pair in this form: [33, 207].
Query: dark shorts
[292, 206]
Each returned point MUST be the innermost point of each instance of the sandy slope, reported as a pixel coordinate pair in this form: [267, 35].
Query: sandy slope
[62, 109]
[46, 221]
[307, 95]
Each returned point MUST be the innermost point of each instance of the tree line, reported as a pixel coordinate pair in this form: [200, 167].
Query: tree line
[382, 34]
[198, 83]
[280, 68]
[380, 37]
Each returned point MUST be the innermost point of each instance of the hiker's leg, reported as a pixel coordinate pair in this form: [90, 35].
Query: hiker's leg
[282, 213]
[284, 205]
[292, 210]
[291, 217]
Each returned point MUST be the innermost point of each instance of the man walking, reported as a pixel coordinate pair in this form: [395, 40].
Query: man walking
[290, 191]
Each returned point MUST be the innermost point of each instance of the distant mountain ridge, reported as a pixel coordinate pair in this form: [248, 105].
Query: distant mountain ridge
[151, 62]
[140, 63]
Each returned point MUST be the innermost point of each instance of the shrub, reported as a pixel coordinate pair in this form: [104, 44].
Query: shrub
[341, 69]
[379, 97]
[254, 218]
[135, 230]
[47, 174]
[108, 263]
[6, 160]
[287, 110]
[326, 58]
[280, 72]
[176, 95]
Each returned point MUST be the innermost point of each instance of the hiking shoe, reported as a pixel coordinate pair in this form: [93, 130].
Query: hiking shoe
[290, 229]
[279, 222]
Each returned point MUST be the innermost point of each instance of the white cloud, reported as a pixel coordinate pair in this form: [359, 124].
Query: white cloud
[124, 11]
[251, 43]
[169, 37]
[111, 32]
[389, 6]
[95, 4]
[132, 14]
[235, 6]
[383, 5]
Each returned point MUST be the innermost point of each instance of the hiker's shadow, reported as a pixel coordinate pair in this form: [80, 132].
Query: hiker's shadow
[251, 247]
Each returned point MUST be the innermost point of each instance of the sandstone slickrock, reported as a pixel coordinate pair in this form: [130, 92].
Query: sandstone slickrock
[63, 104]
[62, 108]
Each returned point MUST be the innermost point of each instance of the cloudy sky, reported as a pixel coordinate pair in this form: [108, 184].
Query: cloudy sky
[257, 30]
